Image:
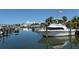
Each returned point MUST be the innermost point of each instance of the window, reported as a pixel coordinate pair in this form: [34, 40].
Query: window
[55, 28]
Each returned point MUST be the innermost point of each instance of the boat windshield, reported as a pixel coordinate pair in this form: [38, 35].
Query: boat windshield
[55, 28]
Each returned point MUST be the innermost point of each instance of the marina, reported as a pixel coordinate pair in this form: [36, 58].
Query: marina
[27, 39]
[37, 36]
[39, 29]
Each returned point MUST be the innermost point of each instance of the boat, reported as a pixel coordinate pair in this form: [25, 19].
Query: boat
[25, 29]
[1, 32]
[56, 30]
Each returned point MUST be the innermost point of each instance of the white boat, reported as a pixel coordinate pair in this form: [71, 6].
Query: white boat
[56, 30]
[26, 29]
[1, 32]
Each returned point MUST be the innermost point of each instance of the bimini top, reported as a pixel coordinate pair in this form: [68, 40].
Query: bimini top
[57, 26]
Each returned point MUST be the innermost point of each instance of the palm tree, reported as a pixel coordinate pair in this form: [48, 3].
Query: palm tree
[64, 19]
[78, 22]
[74, 21]
[68, 24]
[49, 20]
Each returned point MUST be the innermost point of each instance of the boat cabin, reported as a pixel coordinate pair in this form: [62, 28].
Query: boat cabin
[56, 27]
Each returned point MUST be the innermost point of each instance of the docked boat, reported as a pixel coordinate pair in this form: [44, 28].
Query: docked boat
[1, 32]
[25, 29]
[56, 30]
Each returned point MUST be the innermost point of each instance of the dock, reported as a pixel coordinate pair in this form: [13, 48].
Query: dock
[8, 29]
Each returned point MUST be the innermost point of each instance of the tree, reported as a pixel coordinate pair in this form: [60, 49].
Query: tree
[74, 21]
[49, 20]
[64, 19]
[75, 18]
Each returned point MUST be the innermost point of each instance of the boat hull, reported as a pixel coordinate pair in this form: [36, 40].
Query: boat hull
[57, 33]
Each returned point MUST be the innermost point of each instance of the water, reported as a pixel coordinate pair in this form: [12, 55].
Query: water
[26, 39]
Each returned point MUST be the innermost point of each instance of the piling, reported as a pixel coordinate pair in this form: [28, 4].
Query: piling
[46, 30]
[70, 28]
[8, 29]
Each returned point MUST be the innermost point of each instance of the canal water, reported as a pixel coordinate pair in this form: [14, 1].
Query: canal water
[27, 39]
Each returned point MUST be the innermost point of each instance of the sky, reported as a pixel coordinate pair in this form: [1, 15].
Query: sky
[14, 16]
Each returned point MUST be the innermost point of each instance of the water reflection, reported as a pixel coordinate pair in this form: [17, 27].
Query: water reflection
[57, 42]
[14, 33]
[7, 35]
[75, 43]
[26, 38]
[2, 39]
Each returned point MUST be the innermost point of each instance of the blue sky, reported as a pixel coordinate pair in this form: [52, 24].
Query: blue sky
[13, 16]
